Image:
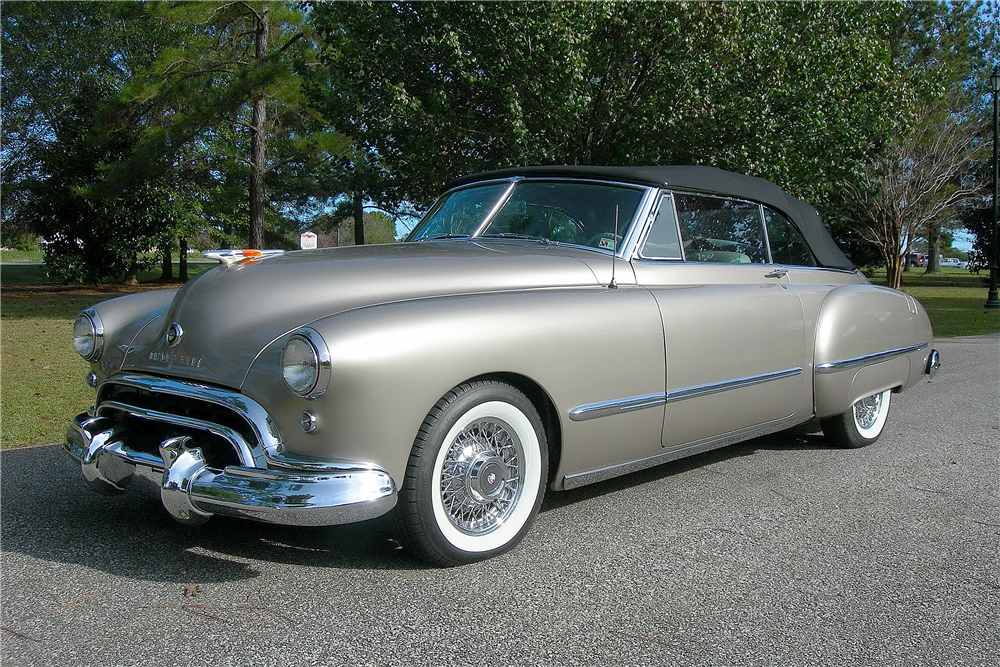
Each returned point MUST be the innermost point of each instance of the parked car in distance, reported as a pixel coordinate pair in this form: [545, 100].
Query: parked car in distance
[952, 262]
[541, 328]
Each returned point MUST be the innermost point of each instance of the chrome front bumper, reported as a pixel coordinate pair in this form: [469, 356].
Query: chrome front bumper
[312, 494]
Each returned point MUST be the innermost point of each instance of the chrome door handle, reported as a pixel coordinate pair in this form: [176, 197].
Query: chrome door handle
[777, 273]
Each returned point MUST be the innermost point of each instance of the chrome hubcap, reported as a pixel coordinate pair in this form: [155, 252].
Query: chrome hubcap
[866, 411]
[481, 476]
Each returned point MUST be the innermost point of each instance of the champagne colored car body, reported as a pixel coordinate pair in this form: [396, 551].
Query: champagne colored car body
[611, 318]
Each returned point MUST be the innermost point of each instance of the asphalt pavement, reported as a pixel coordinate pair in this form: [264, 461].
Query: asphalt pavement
[780, 551]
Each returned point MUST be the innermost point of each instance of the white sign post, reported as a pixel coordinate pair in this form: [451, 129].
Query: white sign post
[307, 241]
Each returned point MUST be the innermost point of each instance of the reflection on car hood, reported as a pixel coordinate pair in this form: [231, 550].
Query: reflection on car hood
[229, 314]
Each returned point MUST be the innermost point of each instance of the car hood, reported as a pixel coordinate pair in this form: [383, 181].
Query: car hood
[228, 315]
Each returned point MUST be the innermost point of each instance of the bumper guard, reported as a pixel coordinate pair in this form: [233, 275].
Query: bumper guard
[314, 495]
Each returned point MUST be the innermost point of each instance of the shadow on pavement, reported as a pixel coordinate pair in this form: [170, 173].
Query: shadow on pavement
[49, 513]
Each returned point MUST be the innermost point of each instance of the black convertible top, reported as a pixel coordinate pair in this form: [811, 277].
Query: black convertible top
[701, 179]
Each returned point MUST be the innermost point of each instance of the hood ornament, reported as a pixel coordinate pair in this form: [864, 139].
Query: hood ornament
[174, 333]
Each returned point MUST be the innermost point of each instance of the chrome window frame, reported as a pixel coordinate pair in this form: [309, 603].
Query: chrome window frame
[814, 265]
[641, 210]
[760, 217]
[673, 192]
[468, 186]
[654, 212]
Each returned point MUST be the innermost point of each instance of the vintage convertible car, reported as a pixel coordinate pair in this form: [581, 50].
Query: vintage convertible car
[541, 328]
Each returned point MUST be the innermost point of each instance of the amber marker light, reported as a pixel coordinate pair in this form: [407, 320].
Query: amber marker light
[230, 257]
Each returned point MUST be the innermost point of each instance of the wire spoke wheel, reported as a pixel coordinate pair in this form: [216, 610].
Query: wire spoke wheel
[866, 411]
[862, 424]
[481, 476]
[476, 475]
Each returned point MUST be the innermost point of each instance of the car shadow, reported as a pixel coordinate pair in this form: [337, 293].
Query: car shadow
[804, 437]
[47, 512]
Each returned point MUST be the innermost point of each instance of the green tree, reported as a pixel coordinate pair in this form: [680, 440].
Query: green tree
[55, 155]
[91, 238]
[943, 49]
[797, 93]
[915, 181]
[226, 101]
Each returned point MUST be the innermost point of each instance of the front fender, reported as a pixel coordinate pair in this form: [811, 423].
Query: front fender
[123, 319]
[391, 363]
[868, 339]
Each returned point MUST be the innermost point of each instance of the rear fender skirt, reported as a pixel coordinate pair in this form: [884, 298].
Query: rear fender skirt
[868, 339]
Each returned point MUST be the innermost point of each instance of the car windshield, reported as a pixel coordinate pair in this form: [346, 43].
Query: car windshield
[590, 214]
[459, 212]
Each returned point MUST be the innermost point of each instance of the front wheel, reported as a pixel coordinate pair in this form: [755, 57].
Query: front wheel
[476, 475]
[862, 424]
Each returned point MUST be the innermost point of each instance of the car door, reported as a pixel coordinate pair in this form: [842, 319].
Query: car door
[736, 350]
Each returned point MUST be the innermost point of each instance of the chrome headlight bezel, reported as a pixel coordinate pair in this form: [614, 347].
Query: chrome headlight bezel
[306, 345]
[89, 327]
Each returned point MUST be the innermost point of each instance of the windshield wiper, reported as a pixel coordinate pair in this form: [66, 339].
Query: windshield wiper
[509, 235]
[444, 236]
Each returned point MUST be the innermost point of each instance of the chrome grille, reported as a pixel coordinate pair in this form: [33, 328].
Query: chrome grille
[143, 418]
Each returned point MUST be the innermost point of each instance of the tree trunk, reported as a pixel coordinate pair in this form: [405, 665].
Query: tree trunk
[182, 273]
[257, 141]
[895, 252]
[359, 219]
[894, 272]
[933, 249]
[166, 263]
[132, 274]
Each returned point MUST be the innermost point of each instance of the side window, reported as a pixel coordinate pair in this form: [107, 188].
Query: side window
[787, 246]
[716, 229]
[662, 241]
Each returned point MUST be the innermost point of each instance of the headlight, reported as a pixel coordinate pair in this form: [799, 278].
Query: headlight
[305, 363]
[88, 335]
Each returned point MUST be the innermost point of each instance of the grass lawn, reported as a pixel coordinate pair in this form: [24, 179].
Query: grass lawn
[21, 255]
[41, 375]
[954, 301]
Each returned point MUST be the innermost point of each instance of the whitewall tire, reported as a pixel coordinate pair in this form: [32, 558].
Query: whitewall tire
[476, 475]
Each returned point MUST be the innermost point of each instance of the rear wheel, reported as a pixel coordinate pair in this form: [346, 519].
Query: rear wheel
[862, 424]
[476, 475]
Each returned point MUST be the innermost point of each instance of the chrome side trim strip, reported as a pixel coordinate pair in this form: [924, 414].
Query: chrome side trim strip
[856, 362]
[617, 407]
[592, 476]
[608, 408]
[691, 392]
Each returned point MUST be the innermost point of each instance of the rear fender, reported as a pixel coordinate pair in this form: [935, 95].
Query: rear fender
[868, 339]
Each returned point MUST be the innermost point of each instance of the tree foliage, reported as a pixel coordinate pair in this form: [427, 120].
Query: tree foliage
[252, 119]
[226, 101]
[54, 159]
[945, 51]
[795, 93]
